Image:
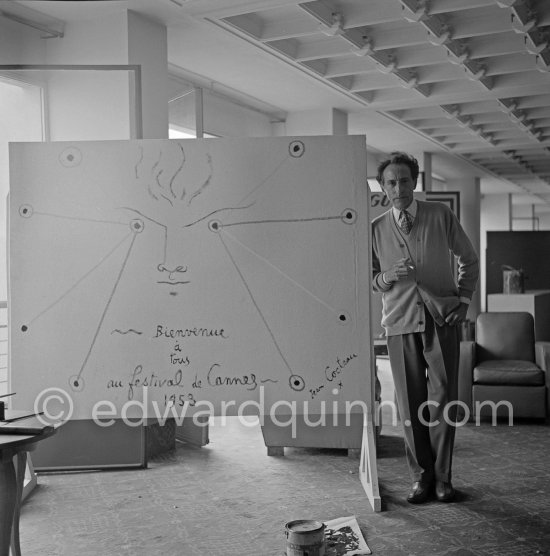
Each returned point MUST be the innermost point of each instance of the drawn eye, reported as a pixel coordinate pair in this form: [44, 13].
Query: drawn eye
[215, 226]
[349, 216]
[137, 226]
[25, 211]
[70, 157]
[296, 149]
[297, 383]
[76, 383]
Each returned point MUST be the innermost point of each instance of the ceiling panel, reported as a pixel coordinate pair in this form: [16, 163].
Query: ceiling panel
[473, 75]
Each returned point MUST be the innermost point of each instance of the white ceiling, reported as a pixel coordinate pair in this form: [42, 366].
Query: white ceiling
[467, 80]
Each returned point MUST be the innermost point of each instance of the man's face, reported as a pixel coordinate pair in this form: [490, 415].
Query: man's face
[398, 185]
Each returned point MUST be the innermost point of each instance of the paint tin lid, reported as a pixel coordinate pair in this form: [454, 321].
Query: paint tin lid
[304, 526]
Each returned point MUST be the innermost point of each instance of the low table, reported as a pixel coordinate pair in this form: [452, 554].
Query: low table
[12, 477]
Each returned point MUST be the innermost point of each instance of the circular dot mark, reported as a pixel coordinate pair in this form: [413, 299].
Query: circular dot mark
[24, 328]
[76, 383]
[335, 391]
[297, 383]
[348, 216]
[296, 149]
[25, 211]
[343, 318]
[137, 226]
[215, 226]
[70, 157]
[407, 422]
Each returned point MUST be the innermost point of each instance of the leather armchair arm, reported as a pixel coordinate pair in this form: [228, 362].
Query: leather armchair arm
[465, 372]
[542, 355]
[542, 359]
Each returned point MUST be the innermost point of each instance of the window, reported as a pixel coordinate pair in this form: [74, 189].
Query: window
[175, 132]
[21, 114]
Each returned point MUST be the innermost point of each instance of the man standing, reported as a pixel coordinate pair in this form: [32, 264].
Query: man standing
[423, 304]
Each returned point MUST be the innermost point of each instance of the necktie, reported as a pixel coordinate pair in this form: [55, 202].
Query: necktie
[405, 221]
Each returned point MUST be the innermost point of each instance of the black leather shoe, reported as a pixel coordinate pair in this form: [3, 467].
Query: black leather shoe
[419, 493]
[444, 492]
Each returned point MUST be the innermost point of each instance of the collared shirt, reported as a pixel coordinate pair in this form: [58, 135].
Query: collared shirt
[411, 209]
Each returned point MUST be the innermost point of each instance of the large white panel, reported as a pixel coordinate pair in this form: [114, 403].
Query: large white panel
[209, 270]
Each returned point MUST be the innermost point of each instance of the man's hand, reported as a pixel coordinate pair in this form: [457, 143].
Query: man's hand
[458, 315]
[399, 270]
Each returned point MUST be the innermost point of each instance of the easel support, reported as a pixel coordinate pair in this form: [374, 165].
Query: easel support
[30, 481]
[367, 466]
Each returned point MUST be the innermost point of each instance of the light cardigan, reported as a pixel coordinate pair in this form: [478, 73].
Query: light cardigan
[431, 285]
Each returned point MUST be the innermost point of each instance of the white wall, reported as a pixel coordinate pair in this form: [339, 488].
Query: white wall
[544, 220]
[103, 40]
[315, 122]
[88, 105]
[147, 46]
[372, 163]
[227, 119]
[523, 218]
[20, 44]
[495, 213]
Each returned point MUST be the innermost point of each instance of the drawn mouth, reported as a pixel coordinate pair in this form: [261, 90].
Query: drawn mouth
[169, 282]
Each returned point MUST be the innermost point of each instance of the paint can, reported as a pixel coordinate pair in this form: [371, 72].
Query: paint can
[305, 537]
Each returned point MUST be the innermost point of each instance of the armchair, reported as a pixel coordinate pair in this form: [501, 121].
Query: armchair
[504, 363]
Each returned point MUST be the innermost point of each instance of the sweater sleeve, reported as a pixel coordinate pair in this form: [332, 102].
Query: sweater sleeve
[378, 283]
[467, 259]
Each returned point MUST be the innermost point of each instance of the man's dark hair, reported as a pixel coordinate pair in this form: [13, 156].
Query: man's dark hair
[399, 158]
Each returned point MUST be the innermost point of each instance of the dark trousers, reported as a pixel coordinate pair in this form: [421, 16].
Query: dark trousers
[425, 369]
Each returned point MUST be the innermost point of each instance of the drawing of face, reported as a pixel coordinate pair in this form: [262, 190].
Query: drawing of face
[163, 177]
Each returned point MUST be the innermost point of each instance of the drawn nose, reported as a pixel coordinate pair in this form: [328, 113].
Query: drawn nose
[171, 271]
[172, 267]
